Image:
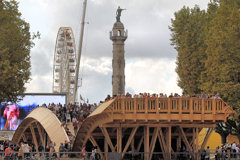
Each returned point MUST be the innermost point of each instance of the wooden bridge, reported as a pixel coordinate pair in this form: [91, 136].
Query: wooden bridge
[132, 124]
[150, 125]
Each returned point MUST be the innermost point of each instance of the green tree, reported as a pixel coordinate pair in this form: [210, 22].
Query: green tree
[188, 39]
[222, 74]
[15, 45]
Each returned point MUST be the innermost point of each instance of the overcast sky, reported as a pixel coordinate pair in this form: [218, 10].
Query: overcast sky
[150, 59]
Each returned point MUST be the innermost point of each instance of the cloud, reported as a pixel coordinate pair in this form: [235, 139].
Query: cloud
[153, 76]
[150, 59]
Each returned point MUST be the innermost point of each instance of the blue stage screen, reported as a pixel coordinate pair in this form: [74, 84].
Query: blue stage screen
[12, 114]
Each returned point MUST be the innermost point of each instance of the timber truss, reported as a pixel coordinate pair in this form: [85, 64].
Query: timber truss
[151, 125]
[41, 126]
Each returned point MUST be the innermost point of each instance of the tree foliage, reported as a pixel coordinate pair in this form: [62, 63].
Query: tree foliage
[15, 45]
[209, 54]
[188, 39]
[222, 73]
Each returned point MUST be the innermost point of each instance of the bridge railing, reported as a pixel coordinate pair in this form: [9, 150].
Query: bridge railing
[172, 105]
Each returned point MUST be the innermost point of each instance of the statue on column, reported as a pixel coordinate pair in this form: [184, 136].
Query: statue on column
[118, 13]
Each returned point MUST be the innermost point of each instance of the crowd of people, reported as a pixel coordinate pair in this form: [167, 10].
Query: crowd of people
[71, 116]
[227, 150]
[162, 95]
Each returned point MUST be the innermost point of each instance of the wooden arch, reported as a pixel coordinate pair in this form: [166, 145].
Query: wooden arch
[41, 120]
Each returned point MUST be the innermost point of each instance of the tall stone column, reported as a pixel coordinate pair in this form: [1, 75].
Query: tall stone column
[118, 36]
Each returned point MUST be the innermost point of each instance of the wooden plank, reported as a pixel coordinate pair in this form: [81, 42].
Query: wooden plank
[96, 145]
[153, 142]
[34, 137]
[129, 140]
[106, 135]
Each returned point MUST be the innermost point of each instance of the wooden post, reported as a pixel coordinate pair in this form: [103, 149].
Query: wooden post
[157, 108]
[193, 141]
[146, 109]
[34, 137]
[40, 134]
[214, 109]
[135, 109]
[146, 142]
[191, 109]
[105, 148]
[123, 108]
[197, 143]
[179, 143]
[180, 109]
[203, 110]
[169, 141]
[119, 139]
[153, 142]
[169, 109]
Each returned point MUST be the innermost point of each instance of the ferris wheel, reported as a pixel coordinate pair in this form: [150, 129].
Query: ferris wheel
[64, 65]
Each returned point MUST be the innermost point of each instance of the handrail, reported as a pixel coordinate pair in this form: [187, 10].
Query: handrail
[173, 105]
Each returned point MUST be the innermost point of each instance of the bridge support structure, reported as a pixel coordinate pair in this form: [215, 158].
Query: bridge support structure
[156, 127]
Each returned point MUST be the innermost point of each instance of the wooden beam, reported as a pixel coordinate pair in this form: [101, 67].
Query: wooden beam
[169, 141]
[206, 138]
[162, 143]
[185, 125]
[146, 142]
[106, 149]
[129, 140]
[34, 137]
[140, 143]
[96, 145]
[153, 142]
[186, 141]
[24, 138]
[179, 143]
[40, 133]
[132, 144]
[162, 140]
[105, 133]
[119, 139]
[197, 143]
